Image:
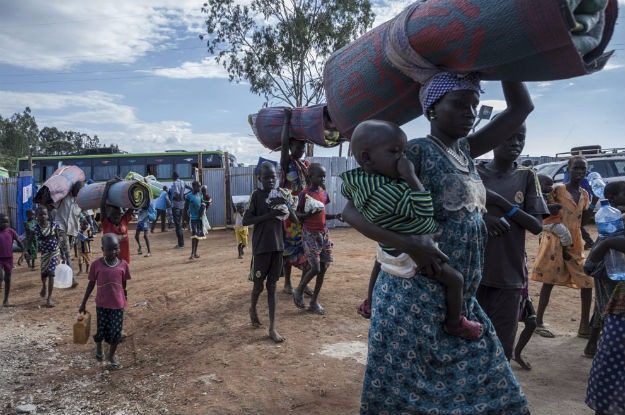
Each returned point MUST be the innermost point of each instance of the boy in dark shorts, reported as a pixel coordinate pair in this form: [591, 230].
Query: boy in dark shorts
[267, 241]
[514, 195]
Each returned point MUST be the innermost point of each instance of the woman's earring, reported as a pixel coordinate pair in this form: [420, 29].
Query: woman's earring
[431, 114]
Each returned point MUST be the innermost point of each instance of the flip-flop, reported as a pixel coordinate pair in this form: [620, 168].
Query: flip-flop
[99, 356]
[523, 363]
[317, 309]
[298, 299]
[544, 332]
[115, 364]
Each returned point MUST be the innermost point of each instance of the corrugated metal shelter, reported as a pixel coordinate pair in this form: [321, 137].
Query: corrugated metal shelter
[8, 199]
[242, 182]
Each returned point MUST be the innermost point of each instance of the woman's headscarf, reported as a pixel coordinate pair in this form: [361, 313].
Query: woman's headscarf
[443, 82]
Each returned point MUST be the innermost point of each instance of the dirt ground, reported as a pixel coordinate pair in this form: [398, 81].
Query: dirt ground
[190, 347]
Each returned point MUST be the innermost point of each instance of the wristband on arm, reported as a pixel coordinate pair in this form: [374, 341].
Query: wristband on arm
[512, 211]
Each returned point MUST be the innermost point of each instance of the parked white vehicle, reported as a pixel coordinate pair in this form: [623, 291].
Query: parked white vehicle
[609, 163]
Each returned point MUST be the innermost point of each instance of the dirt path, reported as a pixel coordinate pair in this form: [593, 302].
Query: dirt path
[192, 350]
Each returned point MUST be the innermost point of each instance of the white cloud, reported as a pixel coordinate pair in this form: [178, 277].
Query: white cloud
[105, 115]
[207, 68]
[57, 35]
[610, 66]
[497, 104]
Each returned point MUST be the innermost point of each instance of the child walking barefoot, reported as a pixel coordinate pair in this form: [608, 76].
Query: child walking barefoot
[267, 242]
[143, 225]
[240, 231]
[386, 178]
[30, 241]
[7, 236]
[109, 274]
[315, 236]
[51, 245]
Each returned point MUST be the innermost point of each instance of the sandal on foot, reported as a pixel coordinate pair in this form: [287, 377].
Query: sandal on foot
[583, 335]
[523, 363]
[466, 329]
[298, 299]
[99, 356]
[316, 308]
[42, 293]
[288, 290]
[308, 291]
[365, 309]
[543, 331]
[148, 255]
[115, 364]
[139, 252]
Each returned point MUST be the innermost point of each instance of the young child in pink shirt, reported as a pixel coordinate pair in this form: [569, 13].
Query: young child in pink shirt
[7, 236]
[110, 274]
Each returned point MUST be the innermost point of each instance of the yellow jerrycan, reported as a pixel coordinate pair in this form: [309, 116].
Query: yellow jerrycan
[82, 328]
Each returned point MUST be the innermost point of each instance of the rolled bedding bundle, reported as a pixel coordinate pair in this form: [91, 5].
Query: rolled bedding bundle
[128, 194]
[155, 186]
[379, 74]
[311, 123]
[59, 184]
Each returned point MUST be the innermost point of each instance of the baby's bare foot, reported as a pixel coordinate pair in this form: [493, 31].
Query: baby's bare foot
[254, 318]
[275, 336]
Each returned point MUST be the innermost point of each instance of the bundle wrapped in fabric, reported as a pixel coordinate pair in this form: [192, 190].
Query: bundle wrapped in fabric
[307, 123]
[60, 184]
[379, 74]
[155, 186]
[128, 194]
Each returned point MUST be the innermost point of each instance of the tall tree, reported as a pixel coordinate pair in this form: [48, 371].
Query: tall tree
[19, 137]
[280, 46]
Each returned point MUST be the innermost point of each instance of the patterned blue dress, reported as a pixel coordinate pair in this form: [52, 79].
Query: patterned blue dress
[414, 366]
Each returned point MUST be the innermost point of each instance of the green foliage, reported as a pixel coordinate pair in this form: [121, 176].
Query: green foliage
[280, 46]
[20, 137]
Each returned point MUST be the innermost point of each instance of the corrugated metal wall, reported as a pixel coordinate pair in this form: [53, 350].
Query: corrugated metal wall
[8, 199]
[214, 179]
[243, 183]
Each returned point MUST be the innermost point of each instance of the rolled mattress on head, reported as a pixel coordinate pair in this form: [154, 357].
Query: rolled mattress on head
[128, 194]
[59, 184]
[379, 74]
[307, 123]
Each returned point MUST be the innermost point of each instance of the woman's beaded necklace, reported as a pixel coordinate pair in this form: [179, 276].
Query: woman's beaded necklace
[459, 158]
[114, 264]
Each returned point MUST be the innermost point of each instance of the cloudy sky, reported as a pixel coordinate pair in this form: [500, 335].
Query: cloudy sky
[136, 74]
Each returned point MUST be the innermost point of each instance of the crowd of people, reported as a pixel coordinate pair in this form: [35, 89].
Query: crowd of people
[450, 282]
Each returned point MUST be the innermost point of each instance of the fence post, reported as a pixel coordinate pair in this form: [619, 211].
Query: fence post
[227, 193]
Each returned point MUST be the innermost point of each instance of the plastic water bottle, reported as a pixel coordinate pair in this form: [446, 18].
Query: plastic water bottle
[596, 183]
[609, 224]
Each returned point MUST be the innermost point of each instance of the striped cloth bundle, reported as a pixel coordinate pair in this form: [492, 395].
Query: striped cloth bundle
[128, 194]
[379, 74]
[307, 123]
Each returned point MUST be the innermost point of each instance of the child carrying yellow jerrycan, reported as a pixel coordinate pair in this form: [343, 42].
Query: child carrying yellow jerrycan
[82, 328]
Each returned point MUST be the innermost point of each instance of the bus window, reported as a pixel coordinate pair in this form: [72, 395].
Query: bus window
[125, 168]
[164, 171]
[37, 174]
[151, 170]
[212, 161]
[87, 170]
[102, 173]
[184, 170]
